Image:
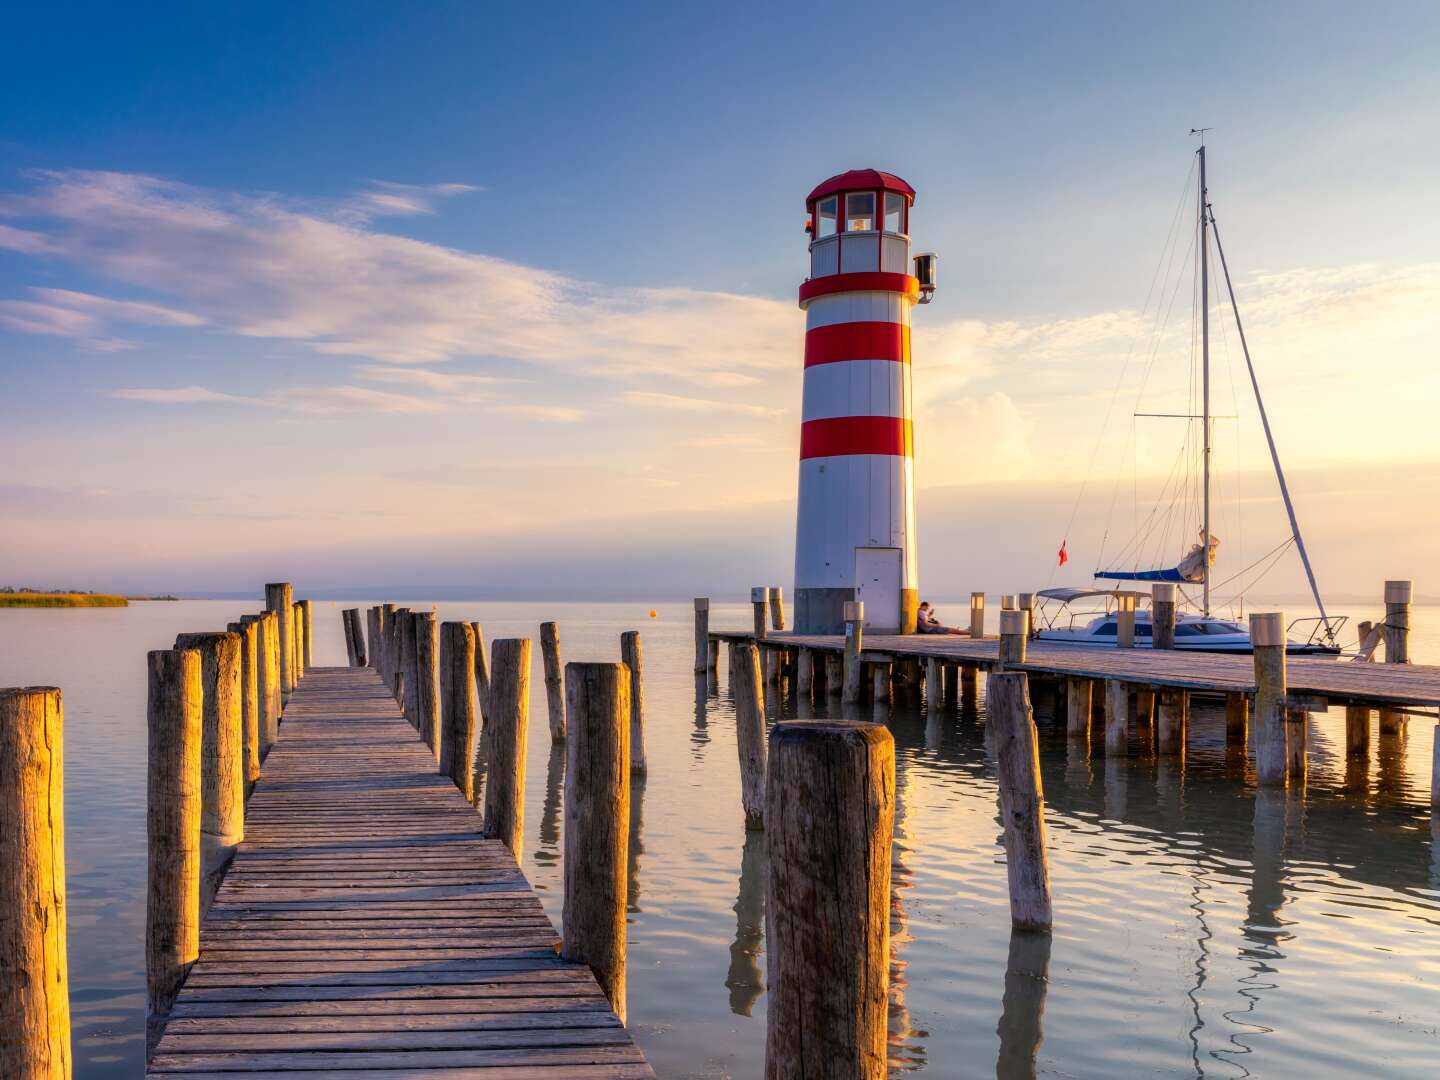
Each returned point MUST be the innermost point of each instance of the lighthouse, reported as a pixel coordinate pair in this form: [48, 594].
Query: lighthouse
[855, 520]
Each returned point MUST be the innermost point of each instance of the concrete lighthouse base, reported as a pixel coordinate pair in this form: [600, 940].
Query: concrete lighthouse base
[822, 611]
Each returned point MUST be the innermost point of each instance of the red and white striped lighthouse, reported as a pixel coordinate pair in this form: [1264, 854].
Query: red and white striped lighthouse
[855, 528]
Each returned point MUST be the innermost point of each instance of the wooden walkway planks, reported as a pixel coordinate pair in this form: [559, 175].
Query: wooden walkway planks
[366, 929]
[1341, 681]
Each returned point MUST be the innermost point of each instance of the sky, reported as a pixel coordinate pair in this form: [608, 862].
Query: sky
[492, 301]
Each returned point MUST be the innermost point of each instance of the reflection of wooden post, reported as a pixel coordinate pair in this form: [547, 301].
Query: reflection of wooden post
[457, 696]
[1125, 620]
[1267, 639]
[1014, 629]
[597, 815]
[1022, 1010]
[1237, 718]
[831, 808]
[1022, 800]
[34, 980]
[746, 688]
[1078, 706]
[1117, 715]
[854, 635]
[508, 730]
[1174, 713]
[702, 634]
[555, 693]
[633, 657]
[1397, 644]
[777, 608]
[222, 756]
[172, 906]
[744, 980]
[1163, 615]
[977, 615]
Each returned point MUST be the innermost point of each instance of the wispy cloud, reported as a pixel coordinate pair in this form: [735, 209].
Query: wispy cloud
[305, 399]
[180, 395]
[131, 311]
[429, 379]
[51, 320]
[552, 414]
[679, 403]
[387, 199]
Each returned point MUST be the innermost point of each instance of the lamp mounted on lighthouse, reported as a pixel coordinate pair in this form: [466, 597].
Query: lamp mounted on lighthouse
[855, 523]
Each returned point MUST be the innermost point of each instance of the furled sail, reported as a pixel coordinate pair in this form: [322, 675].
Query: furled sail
[1191, 569]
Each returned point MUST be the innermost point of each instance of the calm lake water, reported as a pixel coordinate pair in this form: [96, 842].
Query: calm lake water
[1200, 928]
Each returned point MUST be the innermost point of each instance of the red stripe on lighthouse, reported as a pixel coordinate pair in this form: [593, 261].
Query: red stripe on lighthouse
[857, 341]
[863, 281]
[855, 435]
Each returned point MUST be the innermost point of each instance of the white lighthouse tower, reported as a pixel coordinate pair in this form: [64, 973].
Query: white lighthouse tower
[855, 528]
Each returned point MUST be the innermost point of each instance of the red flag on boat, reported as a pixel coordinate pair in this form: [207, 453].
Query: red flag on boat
[1063, 557]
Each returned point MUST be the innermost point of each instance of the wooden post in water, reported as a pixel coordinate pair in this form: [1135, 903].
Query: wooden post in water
[555, 693]
[1357, 731]
[749, 694]
[172, 806]
[702, 634]
[777, 608]
[633, 657]
[934, 685]
[1022, 799]
[830, 805]
[1397, 644]
[1125, 620]
[597, 821]
[249, 696]
[1014, 630]
[1297, 739]
[977, 615]
[34, 975]
[1267, 639]
[1237, 718]
[482, 674]
[760, 603]
[222, 756]
[880, 683]
[1163, 615]
[509, 725]
[361, 657]
[307, 640]
[1174, 717]
[1078, 706]
[348, 627]
[457, 697]
[854, 642]
[834, 675]
[279, 598]
[427, 668]
[1117, 716]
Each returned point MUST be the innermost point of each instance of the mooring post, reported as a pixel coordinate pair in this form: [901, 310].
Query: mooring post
[834, 674]
[349, 630]
[702, 634]
[372, 634]
[1078, 706]
[1397, 644]
[977, 615]
[1267, 639]
[830, 804]
[712, 659]
[555, 692]
[777, 608]
[633, 657]
[1022, 799]
[361, 657]
[1117, 716]
[805, 674]
[409, 661]
[1174, 718]
[249, 696]
[597, 821]
[1163, 615]
[749, 694]
[267, 689]
[482, 674]
[1026, 602]
[297, 643]
[1125, 620]
[396, 652]
[427, 668]
[880, 683]
[279, 598]
[1237, 718]
[271, 733]
[307, 641]
[854, 669]
[934, 684]
[1357, 731]
[1297, 740]
[457, 697]
[34, 976]
[760, 603]
[508, 729]
[1014, 630]
[382, 649]
[172, 807]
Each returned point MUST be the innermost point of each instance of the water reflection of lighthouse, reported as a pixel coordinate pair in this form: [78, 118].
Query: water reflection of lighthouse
[855, 528]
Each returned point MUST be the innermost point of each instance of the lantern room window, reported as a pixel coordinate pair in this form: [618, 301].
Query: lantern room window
[894, 213]
[825, 217]
[860, 211]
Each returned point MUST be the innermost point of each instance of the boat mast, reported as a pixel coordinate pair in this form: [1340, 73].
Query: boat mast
[1205, 364]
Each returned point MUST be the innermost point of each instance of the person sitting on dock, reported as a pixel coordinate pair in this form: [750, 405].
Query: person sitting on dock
[927, 622]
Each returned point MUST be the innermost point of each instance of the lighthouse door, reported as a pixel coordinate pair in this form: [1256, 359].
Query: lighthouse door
[877, 583]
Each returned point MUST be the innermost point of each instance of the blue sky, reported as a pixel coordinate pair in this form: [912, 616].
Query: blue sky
[448, 223]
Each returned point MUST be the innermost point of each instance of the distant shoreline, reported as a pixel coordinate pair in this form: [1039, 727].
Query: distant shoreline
[61, 600]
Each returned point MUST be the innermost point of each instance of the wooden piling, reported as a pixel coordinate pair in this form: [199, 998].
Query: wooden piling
[411, 704]
[34, 976]
[508, 729]
[1174, 717]
[279, 598]
[222, 756]
[1163, 615]
[362, 658]
[427, 670]
[248, 632]
[712, 658]
[174, 718]
[1014, 630]
[307, 640]
[1078, 706]
[834, 675]
[934, 684]
[1007, 602]
[349, 628]
[1297, 739]
[1397, 644]
[1267, 639]
[633, 657]
[457, 697]
[372, 634]
[482, 674]
[1357, 731]
[830, 804]
[267, 688]
[760, 602]
[854, 635]
[270, 727]
[1022, 799]
[749, 694]
[805, 674]
[1117, 715]
[777, 608]
[297, 642]
[977, 615]
[1125, 620]
[702, 634]
[382, 656]
[597, 816]
[555, 693]
[1237, 718]
[880, 684]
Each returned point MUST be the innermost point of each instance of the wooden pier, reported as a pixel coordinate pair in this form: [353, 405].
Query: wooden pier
[366, 928]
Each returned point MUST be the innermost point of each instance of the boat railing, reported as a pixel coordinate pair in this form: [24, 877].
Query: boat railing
[1322, 631]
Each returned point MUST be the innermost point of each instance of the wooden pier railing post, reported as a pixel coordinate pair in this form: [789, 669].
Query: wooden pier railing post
[249, 696]
[279, 598]
[632, 655]
[1022, 799]
[482, 674]
[34, 975]
[977, 615]
[361, 656]
[1007, 602]
[297, 644]
[172, 807]
[777, 608]
[307, 640]
[1397, 644]
[555, 693]
[267, 689]
[222, 756]
[1117, 717]
[1267, 639]
[427, 670]
[749, 694]
[409, 663]
[830, 805]
[1125, 620]
[1078, 706]
[372, 634]
[508, 727]
[387, 641]
[760, 602]
[270, 731]
[1174, 716]
[1163, 615]
[854, 644]
[597, 821]
[1237, 718]
[457, 696]
[396, 649]
[1014, 630]
[702, 634]
[351, 653]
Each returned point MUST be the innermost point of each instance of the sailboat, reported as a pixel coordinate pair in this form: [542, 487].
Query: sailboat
[1057, 616]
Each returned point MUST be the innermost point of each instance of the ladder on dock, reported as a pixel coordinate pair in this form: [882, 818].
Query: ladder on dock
[366, 929]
